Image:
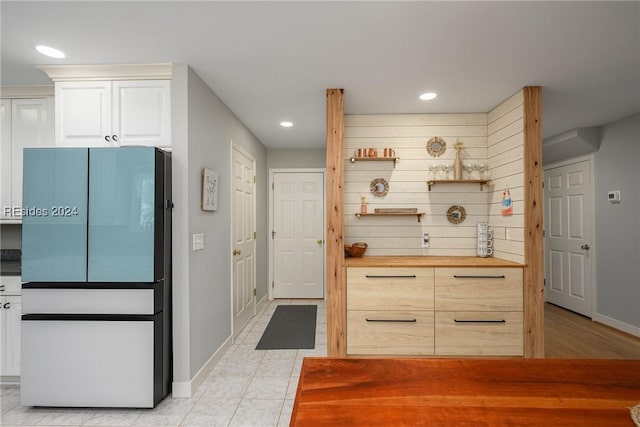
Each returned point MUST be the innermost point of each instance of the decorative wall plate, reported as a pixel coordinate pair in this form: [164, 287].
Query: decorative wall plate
[379, 187]
[436, 146]
[456, 214]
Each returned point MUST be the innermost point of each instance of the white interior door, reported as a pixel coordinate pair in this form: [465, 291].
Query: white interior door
[298, 235]
[569, 236]
[243, 235]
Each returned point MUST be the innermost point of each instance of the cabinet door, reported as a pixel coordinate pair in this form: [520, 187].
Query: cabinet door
[121, 215]
[83, 114]
[6, 173]
[10, 315]
[54, 227]
[31, 127]
[142, 112]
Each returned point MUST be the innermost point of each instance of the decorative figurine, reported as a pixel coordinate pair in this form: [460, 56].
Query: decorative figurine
[457, 163]
[363, 205]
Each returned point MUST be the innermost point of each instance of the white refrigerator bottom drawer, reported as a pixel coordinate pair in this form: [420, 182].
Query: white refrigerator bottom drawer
[87, 363]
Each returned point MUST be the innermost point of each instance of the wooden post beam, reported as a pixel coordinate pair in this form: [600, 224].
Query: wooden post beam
[533, 227]
[336, 297]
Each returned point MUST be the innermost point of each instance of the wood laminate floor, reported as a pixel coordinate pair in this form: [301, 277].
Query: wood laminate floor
[570, 335]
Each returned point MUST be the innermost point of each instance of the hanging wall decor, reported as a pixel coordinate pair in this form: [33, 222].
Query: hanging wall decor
[456, 214]
[379, 187]
[209, 190]
[436, 146]
[507, 204]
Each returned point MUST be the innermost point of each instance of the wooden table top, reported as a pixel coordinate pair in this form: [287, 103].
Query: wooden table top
[428, 261]
[466, 392]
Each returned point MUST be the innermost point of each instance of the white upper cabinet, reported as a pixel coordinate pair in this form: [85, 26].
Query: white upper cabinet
[6, 177]
[113, 113]
[26, 123]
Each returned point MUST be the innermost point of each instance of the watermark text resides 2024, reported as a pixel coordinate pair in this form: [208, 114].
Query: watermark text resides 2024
[60, 211]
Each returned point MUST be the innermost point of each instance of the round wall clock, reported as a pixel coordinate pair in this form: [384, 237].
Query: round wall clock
[456, 214]
[436, 146]
[379, 187]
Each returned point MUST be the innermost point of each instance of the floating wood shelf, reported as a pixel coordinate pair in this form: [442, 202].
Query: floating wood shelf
[482, 182]
[418, 215]
[375, 159]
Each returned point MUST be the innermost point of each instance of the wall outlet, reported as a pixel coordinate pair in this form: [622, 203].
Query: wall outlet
[507, 233]
[426, 241]
[198, 241]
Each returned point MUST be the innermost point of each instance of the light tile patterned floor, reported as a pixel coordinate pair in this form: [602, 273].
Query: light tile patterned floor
[247, 388]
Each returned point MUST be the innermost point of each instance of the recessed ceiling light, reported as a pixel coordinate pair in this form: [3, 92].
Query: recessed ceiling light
[50, 52]
[428, 96]
[286, 124]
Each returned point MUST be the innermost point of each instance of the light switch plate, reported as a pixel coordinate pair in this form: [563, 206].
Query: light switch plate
[198, 241]
[426, 240]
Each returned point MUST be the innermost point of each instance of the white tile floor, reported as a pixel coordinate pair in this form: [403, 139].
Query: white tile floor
[248, 387]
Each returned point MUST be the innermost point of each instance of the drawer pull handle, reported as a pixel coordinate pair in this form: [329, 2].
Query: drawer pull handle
[480, 321]
[458, 276]
[392, 320]
[370, 276]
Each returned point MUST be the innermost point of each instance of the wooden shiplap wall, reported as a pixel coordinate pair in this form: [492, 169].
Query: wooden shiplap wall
[506, 162]
[408, 134]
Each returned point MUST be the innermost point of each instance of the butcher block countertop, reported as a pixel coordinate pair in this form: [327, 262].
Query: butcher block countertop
[428, 261]
[466, 392]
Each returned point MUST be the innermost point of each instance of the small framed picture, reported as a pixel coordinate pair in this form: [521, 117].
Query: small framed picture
[209, 190]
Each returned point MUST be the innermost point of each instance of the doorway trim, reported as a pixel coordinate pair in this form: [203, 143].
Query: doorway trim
[237, 147]
[592, 226]
[270, 229]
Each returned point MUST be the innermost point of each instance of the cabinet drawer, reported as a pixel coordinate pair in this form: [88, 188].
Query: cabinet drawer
[478, 289]
[10, 285]
[479, 333]
[390, 332]
[389, 288]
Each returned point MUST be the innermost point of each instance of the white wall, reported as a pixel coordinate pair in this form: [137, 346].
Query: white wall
[617, 167]
[203, 129]
[408, 134]
[506, 161]
[286, 159]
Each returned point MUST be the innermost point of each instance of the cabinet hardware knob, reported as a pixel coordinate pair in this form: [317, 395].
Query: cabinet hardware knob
[115, 138]
[107, 138]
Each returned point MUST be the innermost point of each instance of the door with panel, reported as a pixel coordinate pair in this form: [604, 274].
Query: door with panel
[298, 235]
[243, 216]
[569, 235]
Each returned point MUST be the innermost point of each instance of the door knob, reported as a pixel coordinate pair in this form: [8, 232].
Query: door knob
[236, 252]
[320, 242]
[585, 247]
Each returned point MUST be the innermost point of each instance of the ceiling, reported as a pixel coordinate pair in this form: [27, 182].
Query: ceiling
[273, 61]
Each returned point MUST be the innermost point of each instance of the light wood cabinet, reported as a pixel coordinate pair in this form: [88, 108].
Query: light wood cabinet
[478, 289]
[479, 311]
[26, 123]
[390, 311]
[442, 311]
[113, 113]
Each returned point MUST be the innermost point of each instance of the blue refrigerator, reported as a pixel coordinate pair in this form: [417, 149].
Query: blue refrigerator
[96, 271]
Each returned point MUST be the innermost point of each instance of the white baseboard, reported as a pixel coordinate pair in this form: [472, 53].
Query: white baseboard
[260, 303]
[616, 324]
[188, 388]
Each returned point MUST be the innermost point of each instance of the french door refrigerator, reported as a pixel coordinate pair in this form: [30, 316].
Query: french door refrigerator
[96, 267]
